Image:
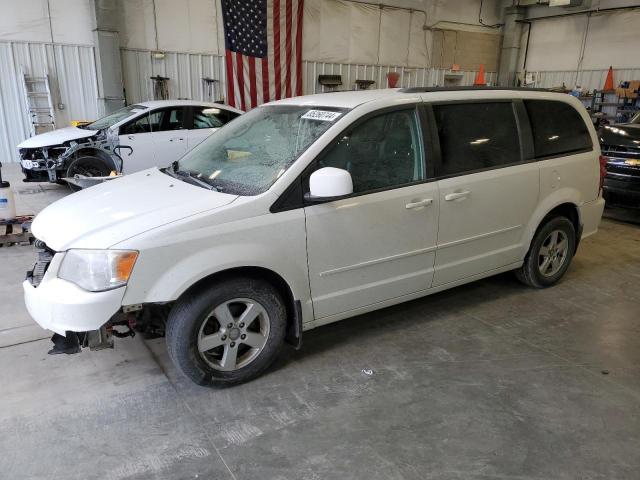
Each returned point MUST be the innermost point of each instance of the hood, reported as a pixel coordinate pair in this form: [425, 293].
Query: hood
[623, 135]
[56, 137]
[118, 209]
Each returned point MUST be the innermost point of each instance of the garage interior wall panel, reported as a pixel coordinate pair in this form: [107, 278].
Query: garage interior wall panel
[28, 20]
[611, 39]
[76, 82]
[188, 26]
[337, 31]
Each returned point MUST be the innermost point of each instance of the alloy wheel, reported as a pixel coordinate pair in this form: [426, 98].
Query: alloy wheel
[233, 334]
[553, 253]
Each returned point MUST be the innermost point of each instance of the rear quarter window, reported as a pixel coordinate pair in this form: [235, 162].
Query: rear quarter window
[557, 128]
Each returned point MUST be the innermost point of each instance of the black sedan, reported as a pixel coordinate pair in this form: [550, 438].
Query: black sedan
[621, 149]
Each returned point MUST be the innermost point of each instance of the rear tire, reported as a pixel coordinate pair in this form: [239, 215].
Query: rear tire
[550, 254]
[88, 166]
[242, 320]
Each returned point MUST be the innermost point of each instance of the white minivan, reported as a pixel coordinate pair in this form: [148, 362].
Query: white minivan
[313, 209]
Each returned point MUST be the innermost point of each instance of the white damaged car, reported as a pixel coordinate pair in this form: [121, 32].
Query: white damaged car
[313, 209]
[158, 132]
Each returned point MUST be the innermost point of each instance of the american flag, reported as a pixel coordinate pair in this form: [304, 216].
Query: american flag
[263, 50]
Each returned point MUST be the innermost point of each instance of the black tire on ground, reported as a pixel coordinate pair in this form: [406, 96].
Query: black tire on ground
[89, 166]
[530, 273]
[194, 311]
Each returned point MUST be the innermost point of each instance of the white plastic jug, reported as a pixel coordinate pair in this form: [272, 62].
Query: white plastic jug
[7, 202]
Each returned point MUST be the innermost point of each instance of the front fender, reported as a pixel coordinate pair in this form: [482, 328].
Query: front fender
[171, 262]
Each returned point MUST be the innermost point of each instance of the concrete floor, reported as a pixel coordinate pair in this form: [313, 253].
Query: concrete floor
[487, 381]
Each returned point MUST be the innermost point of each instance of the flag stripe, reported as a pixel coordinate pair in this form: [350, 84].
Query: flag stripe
[288, 49]
[265, 80]
[240, 76]
[231, 96]
[299, 48]
[276, 47]
[252, 82]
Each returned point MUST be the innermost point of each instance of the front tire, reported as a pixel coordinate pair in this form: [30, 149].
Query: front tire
[550, 254]
[226, 333]
[88, 166]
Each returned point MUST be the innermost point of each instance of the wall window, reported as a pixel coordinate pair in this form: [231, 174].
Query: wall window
[384, 151]
[211, 117]
[557, 128]
[476, 136]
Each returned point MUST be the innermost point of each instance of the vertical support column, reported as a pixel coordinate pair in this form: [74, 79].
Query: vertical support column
[108, 61]
[511, 44]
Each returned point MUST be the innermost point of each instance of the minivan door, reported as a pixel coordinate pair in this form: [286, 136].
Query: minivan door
[379, 243]
[488, 193]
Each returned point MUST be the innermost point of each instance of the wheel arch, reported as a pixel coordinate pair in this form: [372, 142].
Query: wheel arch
[293, 308]
[93, 152]
[566, 207]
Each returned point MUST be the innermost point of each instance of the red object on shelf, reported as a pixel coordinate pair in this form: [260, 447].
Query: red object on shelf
[608, 83]
[479, 81]
[392, 79]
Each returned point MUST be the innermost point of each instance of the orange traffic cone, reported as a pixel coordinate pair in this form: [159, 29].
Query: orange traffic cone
[479, 81]
[608, 83]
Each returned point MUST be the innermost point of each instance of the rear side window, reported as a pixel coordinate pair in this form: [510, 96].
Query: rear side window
[211, 117]
[476, 136]
[557, 128]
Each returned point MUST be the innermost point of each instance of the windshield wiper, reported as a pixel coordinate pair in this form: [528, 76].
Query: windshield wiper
[189, 177]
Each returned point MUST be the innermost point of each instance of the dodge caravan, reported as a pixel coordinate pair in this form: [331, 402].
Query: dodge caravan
[313, 209]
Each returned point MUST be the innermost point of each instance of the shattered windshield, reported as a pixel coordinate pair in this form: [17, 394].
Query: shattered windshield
[113, 118]
[246, 156]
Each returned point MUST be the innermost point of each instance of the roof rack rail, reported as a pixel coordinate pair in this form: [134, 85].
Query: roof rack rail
[454, 89]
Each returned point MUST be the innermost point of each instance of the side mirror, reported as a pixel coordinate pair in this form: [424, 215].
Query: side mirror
[329, 183]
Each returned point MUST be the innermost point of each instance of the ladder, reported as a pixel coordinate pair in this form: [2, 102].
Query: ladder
[39, 104]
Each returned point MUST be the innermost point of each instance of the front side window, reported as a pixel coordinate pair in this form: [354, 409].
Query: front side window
[476, 136]
[211, 117]
[246, 156]
[557, 128]
[156, 121]
[139, 125]
[382, 152]
[168, 119]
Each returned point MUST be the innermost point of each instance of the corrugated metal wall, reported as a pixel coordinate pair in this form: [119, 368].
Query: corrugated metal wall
[185, 72]
[76, 81]
[409, 76]
[587, 79]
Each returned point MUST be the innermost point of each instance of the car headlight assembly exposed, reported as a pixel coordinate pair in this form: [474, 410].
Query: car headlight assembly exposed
[98, 270]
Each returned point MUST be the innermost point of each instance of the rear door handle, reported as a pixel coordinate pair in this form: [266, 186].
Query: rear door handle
[456, 196]
[176, 138]
[419, 203]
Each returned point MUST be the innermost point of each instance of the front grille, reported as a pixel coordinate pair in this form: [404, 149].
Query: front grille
[620, 151]
[45, 255]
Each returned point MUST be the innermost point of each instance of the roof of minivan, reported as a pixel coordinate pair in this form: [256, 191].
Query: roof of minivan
[351, 99]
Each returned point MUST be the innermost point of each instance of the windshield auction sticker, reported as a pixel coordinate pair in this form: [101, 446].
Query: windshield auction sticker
[322, 115]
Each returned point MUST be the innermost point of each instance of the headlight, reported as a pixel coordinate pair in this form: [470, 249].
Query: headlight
[98, 270]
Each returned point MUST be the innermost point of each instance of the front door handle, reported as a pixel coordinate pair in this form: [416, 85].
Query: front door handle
[176, 138]
[420, 203]
[457, 196]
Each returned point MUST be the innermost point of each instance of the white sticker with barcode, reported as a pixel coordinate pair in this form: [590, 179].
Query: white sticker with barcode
[322, 115]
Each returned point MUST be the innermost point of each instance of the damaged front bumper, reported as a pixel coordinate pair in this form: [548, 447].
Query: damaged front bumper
[61, 306]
